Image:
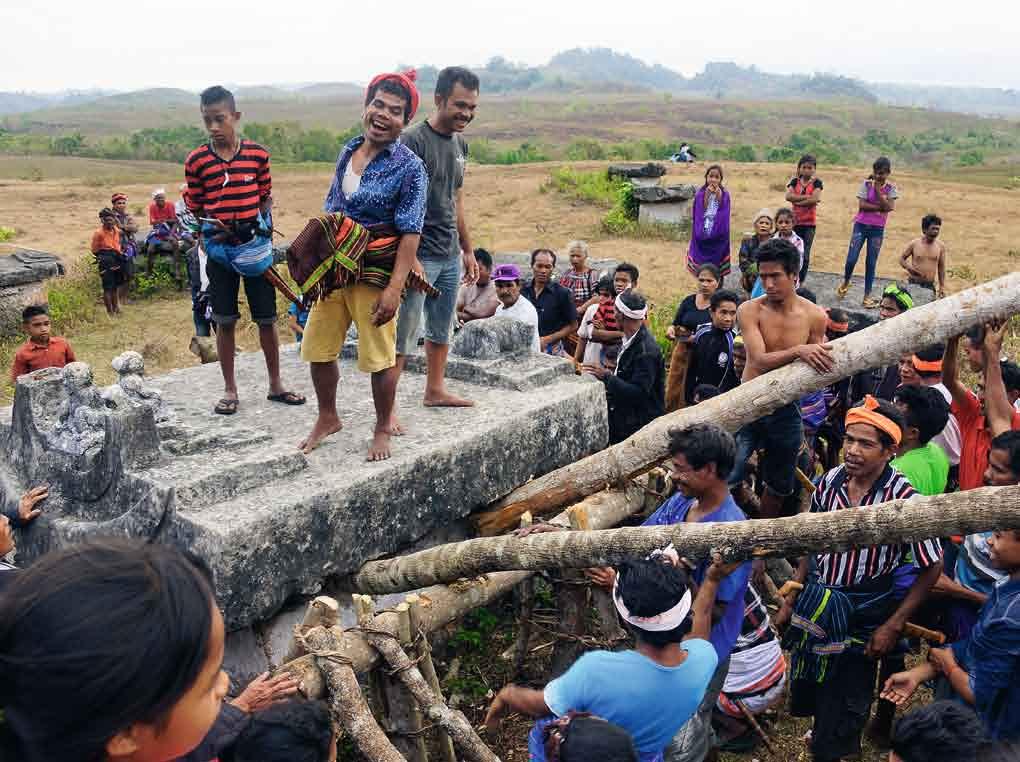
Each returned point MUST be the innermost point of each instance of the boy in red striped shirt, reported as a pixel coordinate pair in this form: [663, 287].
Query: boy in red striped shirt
[229, 181]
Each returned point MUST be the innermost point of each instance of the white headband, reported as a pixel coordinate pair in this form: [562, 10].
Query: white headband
[664, 622]
[159, 192]
[626, 311]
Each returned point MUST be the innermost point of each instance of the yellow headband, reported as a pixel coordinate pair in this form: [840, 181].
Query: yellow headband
[868, 413]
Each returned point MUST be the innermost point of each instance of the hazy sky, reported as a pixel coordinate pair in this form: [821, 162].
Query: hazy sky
[61, 44]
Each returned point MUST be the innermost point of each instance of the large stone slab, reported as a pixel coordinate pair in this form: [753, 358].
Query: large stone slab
[824, 285]
[23, 274]
[273, 523]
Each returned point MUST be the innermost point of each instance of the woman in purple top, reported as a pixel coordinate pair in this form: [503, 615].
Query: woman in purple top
[875, 199]
[710, 229]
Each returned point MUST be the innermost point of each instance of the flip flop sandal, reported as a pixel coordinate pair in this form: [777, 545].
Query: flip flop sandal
[870, 303]
[287, 398]
[226, 406]
[842, 290]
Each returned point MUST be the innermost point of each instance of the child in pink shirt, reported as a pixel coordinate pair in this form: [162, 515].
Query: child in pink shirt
[875, 199]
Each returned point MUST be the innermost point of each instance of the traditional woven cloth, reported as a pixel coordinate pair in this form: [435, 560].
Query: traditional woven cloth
[334, 251]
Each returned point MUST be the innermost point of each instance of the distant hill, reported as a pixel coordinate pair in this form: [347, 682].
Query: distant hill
[330, 90]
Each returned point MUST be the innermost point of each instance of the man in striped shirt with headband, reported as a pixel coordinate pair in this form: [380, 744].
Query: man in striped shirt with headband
[854, 612]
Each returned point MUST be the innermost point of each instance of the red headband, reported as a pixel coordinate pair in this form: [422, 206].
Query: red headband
[927, 366]
[118, 197]
[868, 413]
[832, 325]
[406, 80]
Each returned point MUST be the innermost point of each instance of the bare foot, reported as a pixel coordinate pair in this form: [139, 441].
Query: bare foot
[380, 447]
[323, 428]
[394, 427]
[446, 399]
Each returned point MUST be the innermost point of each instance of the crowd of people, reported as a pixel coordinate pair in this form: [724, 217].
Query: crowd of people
[708, 655]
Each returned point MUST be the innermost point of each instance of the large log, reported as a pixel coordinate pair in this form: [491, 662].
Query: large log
[442, 604]
[892, 522]
[880, 344]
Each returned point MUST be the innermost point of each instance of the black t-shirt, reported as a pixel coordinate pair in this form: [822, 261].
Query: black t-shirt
[689, 316]
[444, 157]
[555, 306]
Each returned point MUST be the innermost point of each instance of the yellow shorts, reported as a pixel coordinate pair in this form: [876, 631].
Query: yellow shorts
[331, 317]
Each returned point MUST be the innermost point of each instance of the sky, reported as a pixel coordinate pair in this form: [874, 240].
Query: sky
[83, 44]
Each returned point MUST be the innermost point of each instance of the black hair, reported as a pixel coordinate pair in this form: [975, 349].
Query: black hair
[217, 94]
[292, 731]
[928, 220]
[717, 168]
[976, 335]
[943, 731]
[107, 213]
[704, 392]
[839, 315]
[927, 410]
[633, 299]
[720, 296]
[95, 638]
[536, 252]
[881, 164]
[934, 353]
[711, 269]
[807, 159]
[33, 310]
[450, 76]
[781, 251]
[1004, 751]
[606, 284]
[483, 257]
[649, 587]
[1009, 442]
[890, 411]
[783, 211]
[592, 739]
[627, 267]
[1010, 375]
[807, 293]
[393, 87]
[705, 443]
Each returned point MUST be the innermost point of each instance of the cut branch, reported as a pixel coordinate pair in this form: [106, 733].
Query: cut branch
[880, 344]
[896, 521]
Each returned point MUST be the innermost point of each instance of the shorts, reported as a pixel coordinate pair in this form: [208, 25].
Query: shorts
[914, 280]
[224, 284]
[444, 274]
[840, 706]
[111, 269]
[778, 436]
[329, 320]
[697, 736]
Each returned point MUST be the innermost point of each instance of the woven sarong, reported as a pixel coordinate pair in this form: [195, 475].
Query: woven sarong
[334, 251]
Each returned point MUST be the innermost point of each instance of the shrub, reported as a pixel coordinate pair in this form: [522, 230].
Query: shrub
[7, 234]
[971, 158]
[742, 153]
[595, 186]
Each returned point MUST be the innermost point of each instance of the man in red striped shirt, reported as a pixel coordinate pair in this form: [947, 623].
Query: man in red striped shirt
[229, 182]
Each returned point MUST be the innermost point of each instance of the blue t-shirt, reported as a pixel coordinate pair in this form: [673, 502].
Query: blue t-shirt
[648, 700]
[732, 588]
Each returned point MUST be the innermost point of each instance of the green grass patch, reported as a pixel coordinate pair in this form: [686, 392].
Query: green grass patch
[595, 187]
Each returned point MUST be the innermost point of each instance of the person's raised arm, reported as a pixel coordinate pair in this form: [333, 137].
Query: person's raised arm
[998, 410]
[704, 601]
[951, 373]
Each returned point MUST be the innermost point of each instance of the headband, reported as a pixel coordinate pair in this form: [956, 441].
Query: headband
[902, 296]
[927, 366]
[118, 197]
[664, 622]
[626, 311]
[766, 212]
[159, 192]
[868, 413]
[832, 325]
[404, 79]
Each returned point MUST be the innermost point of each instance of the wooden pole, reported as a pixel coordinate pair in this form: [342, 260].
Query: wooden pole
[880, 344]
[572, 598]
[322, 611]
[402, 711]
[525, 611]
[423, 655]
[897, 521]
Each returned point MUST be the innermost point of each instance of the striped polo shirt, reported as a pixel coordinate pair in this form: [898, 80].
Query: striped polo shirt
[227, 189]
[862, 564]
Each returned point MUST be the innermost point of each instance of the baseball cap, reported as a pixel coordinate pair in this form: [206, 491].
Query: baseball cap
[506, 272]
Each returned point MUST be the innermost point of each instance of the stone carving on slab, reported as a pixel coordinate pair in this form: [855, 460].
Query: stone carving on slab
[651, 170]
[132, 389]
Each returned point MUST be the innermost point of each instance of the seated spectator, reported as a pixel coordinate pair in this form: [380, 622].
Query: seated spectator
[580, 737]
[589, 351]
[160, 210]
[692, 312]
[924, 368]
[479, 299]
[983, 669]
[109, 650]
[291, 731]
[940, 732]
[923, 462]
[710, 350]
[653, 690]
[17, 516]
[41, 350]
[634, 391]
[112, 269]
[507, 280]
[557, 316]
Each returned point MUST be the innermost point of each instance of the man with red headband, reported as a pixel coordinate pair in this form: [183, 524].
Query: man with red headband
[843, 623]
[380, 184]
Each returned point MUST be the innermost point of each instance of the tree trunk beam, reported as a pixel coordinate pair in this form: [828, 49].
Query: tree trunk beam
[880, 344]
[322, 611]
[896, 521]
[423, 654]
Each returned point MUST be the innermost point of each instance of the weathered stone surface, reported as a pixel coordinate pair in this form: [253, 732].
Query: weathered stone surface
[658, 194]
[490, 339]
[22, 282]
[824, 285]
[273, 523]
[651, 169]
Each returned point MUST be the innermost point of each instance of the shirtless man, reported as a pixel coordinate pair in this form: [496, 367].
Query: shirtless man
[778, 328]
[925, 257]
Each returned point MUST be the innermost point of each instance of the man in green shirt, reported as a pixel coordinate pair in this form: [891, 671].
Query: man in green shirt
[922, 461]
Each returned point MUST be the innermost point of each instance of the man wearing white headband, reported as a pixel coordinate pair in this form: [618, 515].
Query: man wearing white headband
[635, 392]
[653, 690]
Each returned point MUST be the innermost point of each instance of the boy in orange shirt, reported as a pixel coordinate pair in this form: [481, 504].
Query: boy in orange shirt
[106, 249]
[41, 350]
